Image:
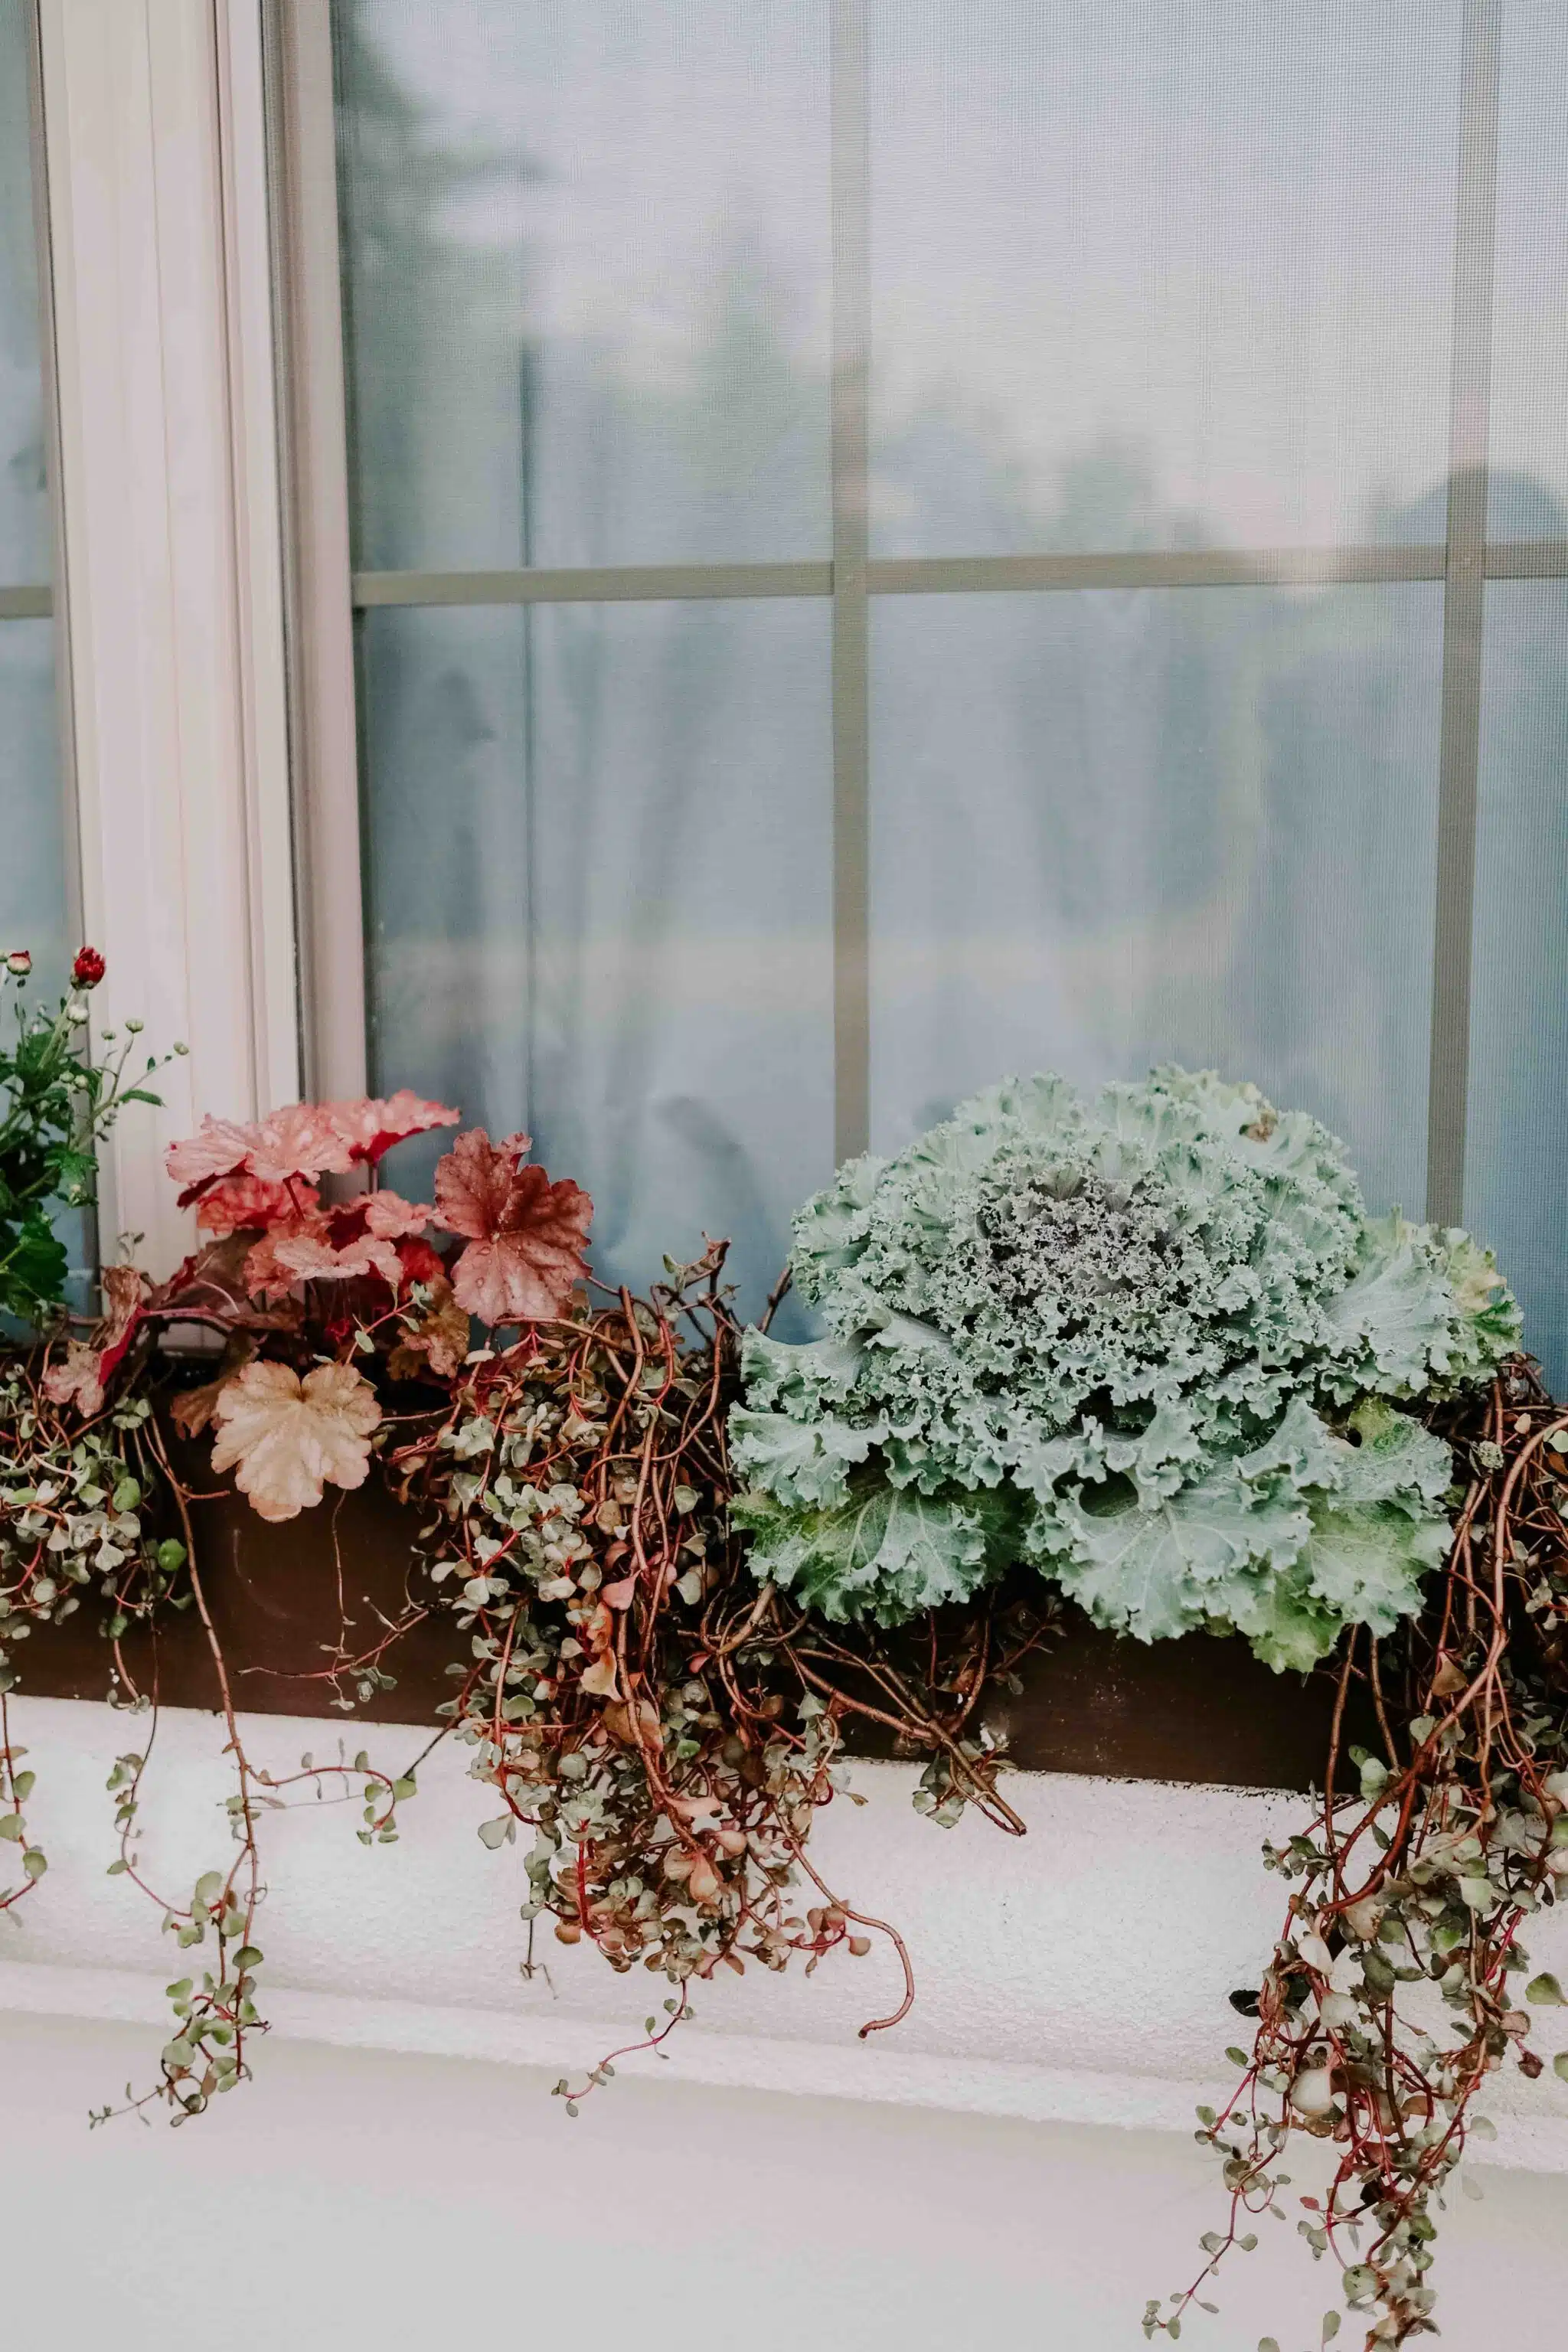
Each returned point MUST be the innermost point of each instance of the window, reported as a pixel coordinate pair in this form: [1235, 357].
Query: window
[892, 542]
[34, 894]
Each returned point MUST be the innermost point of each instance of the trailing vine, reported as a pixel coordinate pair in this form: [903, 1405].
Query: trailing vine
[1418, 1878]
[665, 1729]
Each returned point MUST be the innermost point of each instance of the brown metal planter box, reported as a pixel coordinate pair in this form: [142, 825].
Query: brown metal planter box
[1200, 1709]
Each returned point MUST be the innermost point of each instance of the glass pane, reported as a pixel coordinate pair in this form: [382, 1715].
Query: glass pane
[31, 821]
[1161, 276]
[1529, 491]
[32, 817]
[1515, 1176]
[599, 902]
[1114, 829]
[24, 507]
[585, 254]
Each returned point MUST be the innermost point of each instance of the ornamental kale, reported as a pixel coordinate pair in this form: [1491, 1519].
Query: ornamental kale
[1151, 1343]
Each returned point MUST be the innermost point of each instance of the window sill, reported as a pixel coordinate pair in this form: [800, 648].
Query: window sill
[1078, 1975]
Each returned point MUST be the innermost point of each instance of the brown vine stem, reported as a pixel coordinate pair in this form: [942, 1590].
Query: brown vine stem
[863, 1919]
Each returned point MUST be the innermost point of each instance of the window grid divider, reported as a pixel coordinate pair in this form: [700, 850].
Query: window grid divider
[1463, 594]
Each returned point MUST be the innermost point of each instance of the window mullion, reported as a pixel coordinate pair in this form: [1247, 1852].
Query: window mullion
[1463, 600]
[322, 697]
[850, 471]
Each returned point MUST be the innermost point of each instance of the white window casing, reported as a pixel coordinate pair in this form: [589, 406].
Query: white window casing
[155, 159]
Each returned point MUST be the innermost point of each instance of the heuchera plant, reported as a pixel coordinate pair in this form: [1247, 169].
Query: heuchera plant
[1151, 1342]
[288, 1422]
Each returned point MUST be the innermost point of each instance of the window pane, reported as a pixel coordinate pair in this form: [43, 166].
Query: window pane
[599, 902]
[32, 871]
[1198, 825]
[24, 504]
[33, 868]
[1516, 1186]
[585, 247]
[1528, 492]
[1172, 275]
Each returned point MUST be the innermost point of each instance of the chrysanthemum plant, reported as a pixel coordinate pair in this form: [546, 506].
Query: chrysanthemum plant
[1146, 1354]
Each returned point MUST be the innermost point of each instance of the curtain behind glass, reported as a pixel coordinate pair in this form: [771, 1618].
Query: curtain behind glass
[585, 257]
[32, 870]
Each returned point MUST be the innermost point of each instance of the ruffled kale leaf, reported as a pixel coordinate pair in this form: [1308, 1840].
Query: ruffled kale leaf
[881, 1552]
[805, 1462]
[1156, 1569]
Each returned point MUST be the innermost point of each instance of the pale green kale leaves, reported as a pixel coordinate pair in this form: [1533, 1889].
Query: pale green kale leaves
[1150, 1342]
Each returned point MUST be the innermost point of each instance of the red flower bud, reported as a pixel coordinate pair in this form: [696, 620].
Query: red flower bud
[19, 962]
[88, 969]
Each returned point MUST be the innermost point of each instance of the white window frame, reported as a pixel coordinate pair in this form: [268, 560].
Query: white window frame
[169, 593]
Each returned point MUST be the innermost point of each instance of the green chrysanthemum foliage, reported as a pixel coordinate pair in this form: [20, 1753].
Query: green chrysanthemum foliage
[1151, 1342]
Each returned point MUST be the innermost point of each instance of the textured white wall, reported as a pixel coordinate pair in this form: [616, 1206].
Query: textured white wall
[1016, 2157]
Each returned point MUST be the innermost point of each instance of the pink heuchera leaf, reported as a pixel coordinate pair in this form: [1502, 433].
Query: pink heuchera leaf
[525, 1235]
[237, 1204]
[284, 1437]
[357, 1237]
[370, 1127]
[122, 1304]
[307, 1257]
[220, 1147]
[391, 1216]
[303, 1139]
[82, 1375]
[474, 1183]
[74, 1380]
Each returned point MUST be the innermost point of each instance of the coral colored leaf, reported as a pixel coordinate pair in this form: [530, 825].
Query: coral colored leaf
[192, 1409]
[304, 1140]
[372, 1126]
[123, 1304]
[284, 1437]
[309, 1257]
[221, 1147]
[82, 1375]
[74, 1380]
[525, 1274]
[525, 1235]
[474, 1183]
[390, 1217]
[247, 1203]
[419, 1263]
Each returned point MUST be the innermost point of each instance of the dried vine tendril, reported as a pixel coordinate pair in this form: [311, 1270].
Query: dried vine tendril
[665, 1729]
[214, 2016]
[1411, 1889]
